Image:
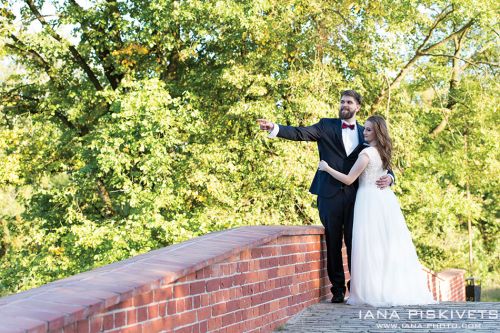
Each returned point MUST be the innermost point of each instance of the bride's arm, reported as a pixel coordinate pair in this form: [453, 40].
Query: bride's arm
[356, 170]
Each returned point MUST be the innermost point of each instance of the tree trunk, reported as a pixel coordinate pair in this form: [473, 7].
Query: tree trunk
[454, 82]
[105, 197]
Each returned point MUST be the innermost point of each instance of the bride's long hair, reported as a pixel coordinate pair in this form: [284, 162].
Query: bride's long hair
[384, 143]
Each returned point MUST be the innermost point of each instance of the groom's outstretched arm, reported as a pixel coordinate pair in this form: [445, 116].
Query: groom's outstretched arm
[308, 133]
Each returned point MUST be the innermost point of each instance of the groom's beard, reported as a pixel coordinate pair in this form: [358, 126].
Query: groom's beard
[346, 114]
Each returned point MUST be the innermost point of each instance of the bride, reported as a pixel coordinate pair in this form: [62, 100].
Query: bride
[385, 268]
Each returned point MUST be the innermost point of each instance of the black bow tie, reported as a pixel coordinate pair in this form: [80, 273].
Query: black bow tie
[345, 125]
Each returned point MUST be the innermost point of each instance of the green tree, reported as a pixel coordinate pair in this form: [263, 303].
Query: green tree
[128, 126]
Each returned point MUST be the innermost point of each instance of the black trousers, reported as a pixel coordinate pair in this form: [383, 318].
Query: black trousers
[336, 215]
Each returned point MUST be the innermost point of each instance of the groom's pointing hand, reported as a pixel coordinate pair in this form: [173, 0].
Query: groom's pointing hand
[265, 125]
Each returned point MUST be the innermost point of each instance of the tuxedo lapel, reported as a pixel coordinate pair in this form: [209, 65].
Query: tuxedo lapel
[361, 138]
[338, 136]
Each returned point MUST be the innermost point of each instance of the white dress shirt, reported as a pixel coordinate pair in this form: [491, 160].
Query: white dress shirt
[350, 138]
[274, 132]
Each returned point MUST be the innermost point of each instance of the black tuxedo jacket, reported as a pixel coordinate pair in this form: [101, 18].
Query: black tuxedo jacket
[328, 135]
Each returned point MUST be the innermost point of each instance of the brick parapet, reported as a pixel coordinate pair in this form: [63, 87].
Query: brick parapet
[248, 279]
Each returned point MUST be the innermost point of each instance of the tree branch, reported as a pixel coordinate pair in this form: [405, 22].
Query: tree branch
[74, 52]
[110, 71]
[453, 35]
[454, 82]
[23, 48]
[438, 20]
[481, 51]
[32, 53]
[450, 56]
[421, 51]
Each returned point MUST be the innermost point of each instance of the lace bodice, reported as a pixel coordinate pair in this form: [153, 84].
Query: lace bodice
[374, 168]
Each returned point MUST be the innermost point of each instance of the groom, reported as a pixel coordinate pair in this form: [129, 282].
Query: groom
[339, 144]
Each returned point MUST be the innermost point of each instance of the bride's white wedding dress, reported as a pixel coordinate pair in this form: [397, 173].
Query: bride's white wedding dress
[385, 270]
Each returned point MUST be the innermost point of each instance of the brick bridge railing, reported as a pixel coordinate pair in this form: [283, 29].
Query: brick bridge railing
[249, 279]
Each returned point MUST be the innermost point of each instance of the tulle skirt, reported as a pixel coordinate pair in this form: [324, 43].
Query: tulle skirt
[385, 270]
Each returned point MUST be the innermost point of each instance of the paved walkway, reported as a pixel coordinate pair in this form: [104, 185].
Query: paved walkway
[438, 318]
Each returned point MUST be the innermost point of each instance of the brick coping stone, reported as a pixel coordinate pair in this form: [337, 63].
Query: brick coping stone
[82, 295]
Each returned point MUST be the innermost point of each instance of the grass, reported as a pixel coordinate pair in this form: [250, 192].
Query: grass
[491, 294]
[490, 288]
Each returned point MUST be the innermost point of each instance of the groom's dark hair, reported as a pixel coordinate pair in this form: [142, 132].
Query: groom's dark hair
[353, 94]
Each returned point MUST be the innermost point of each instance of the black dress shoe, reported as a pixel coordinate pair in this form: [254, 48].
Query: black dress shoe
[338, 298]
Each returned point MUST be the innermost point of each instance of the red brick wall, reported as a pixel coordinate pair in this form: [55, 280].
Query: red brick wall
[249, 279]
[447, 285]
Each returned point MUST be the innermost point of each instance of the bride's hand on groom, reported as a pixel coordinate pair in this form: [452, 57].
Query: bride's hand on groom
[322, 166]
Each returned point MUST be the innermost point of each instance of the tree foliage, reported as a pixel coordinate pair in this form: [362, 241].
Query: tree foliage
[130, 125]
